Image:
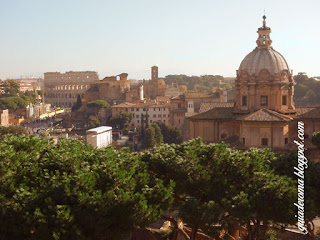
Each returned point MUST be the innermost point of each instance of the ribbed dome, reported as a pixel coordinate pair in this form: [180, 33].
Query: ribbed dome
[264, 58]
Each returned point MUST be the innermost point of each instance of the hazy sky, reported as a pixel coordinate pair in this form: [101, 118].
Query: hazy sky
[181, 37]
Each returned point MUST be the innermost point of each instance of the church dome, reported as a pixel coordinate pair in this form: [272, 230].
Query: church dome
[263, 56]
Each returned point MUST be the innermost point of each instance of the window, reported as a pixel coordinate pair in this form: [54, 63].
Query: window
[284, 100]
[179, 105]
[164, 121]
[243, 140]
[150, 121]
[137, 109]
[264, 36]
[159, 115]
[264, 101]
[137, 116]
[244, 101]
[144, 109]
[179, 120]
[164, 115]
[264, 141]
[132, 109]
[137, 121]
[286, 140]
[154, 109]
[168, 115]
[154, 115]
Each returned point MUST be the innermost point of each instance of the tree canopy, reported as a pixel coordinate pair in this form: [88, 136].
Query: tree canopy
[74, 191]
[307, 90]
[121, 121]
[98, 104]
[202, 83]
[11, 87]
[220, 188]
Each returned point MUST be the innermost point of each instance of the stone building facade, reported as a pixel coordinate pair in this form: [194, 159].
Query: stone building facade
[264, 114]
[4, 117]
[115, 89]
[155, 112]
[63, 88]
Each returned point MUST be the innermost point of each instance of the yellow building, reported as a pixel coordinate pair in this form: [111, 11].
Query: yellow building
[264, 114]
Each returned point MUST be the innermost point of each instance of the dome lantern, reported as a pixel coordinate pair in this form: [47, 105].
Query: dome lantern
[264, 40]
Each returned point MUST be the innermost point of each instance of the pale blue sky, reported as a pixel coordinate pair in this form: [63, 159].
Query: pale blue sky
[181, 37]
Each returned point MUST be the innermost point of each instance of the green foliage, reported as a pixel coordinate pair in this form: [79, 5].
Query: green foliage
[217, 186]
[40, 92]
[195, 83]
[11, 87]
[8, 103]
[78, 104]
[121, 121]
[15, 130]
[158, 134]
[150, 138]
[307, 90]
[283, 166]
[93, 121]
[98, 104]
[17, 102]
[316, 139]
[170, 134]
[183, 88]
[71, 190]
[271, 235]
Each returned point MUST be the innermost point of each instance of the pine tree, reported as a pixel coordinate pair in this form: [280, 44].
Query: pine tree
[158, 134]
[149, 139]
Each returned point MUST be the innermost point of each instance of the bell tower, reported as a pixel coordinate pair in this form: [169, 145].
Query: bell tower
[154, 81]
[154, 74]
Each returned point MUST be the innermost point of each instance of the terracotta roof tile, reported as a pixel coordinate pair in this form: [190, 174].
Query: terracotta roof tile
[266, 115]
[206, 106]
[225, 113]
[140, 105]
[308, 112]
[200, 95]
